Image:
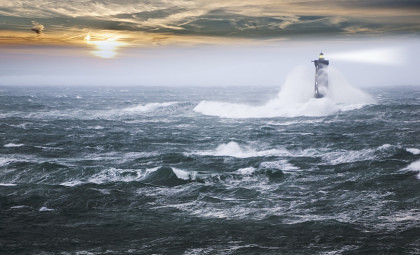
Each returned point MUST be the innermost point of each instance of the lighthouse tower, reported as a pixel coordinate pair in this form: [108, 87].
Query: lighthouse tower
[321, 76]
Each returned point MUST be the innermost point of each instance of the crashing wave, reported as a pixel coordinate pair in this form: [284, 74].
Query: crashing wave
[295, 99]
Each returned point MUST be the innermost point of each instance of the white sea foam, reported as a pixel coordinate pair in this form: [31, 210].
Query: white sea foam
[126, 175]
[246, 170]
[5, 161]
[71, 183]
[119, 157]
[13, 145]
[348, 156]
[19, 207]
[183, 174]
[7, 184]
[409, 215]
[147, 107]
[23, 125]
[108, 175]
[283, 165]
[115, 174]
[233, 149]
[345, 156]
[295, 99]
[413, 151]
[45, 209]
[415, 166]
[180, 173]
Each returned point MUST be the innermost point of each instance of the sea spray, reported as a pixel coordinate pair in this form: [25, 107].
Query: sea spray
[295, 98]
[341, 91]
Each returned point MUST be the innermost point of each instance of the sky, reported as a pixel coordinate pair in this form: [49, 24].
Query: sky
[206, 43]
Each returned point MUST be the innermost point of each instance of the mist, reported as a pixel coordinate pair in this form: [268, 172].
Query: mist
[364, 63]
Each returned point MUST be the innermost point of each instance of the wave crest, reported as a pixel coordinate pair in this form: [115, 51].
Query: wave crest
[233, 149]
[147, 107]
[295, 99]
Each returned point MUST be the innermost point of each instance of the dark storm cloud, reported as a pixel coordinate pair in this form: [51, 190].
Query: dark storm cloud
[385, 4]
[238, 18]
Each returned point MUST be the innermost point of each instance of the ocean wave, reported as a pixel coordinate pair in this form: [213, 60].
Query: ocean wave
[275, 108]
[147, 107]
[413, 151]
[254, 177]
[343, 156]
[414, 166]
[346, 156]
[334, 157]
[233, 149]
[171, 176]
[295, 99]
[246, 170]
[117, 156]
[282, 165]
[107, 112]
[22, 125]
[72, 183]
[8, 184]
[167, 176]
[46, 209]
[5, 161]
[114, 175]
[13, 145]
[161, 176]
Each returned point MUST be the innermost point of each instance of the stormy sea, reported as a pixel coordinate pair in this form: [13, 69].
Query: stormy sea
[223, 170]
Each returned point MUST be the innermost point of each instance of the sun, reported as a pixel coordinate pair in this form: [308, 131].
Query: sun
[105, 46]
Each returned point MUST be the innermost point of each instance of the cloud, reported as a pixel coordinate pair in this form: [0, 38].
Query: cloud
[266, 19]
[37, 28]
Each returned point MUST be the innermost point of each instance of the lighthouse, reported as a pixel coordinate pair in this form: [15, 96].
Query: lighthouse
[321, 76]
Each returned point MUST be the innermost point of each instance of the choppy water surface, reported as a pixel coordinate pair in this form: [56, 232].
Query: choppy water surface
[208, 171]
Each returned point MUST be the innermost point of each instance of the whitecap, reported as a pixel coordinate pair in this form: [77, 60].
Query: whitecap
[128, 175]
[246, 170]
[71, 183]
[413, 167]
[19, 207]
[345, 156]
[180, 173]
[115, 174]
[13, 145]
[410, 215]
[348, 156]
[5, 161]
[283, 165]
[147, 107]
[413, 151]
[233, 149]
[184, 175]
[45, 209]
[7, 184]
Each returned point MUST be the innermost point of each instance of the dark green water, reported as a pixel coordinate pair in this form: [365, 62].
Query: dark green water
[142, 171]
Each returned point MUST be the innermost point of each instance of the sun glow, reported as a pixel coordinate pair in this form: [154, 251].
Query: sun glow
[105, 47]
